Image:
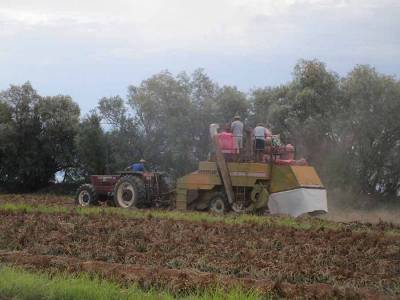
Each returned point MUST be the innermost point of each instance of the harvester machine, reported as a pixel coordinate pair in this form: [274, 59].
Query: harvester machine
[244, 185]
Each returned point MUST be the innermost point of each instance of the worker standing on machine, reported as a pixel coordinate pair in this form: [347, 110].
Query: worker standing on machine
[237, 131]
[138, 167]
[260, 135]
[226, 143]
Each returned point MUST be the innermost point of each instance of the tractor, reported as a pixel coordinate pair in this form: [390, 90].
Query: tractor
[127, 189]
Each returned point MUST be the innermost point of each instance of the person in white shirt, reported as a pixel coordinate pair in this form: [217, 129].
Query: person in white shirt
[260, 135]
[237, 131]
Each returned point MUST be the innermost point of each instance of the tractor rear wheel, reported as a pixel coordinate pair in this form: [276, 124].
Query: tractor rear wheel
[218, 203]
[129, 192]
[86, 195]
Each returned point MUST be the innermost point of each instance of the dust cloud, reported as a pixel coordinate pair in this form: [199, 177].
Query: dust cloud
[349, 207]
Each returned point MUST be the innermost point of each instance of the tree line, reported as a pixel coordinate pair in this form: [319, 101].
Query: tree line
[347, 127]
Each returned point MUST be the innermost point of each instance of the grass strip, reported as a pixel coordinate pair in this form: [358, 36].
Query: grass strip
[19, 284]
[28, 208]
[307, 223]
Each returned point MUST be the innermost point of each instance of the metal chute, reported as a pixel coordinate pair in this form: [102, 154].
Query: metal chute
[298, 201]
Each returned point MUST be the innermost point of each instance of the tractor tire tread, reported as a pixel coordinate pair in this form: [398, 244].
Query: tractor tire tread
[91, 191]
[137, 184]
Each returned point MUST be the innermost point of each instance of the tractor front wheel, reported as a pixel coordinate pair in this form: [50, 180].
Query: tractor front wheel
[85, 195]
[129, 192]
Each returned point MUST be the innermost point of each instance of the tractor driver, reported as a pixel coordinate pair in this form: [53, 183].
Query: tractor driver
[138, 167]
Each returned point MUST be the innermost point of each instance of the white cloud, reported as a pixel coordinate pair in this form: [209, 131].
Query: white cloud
[93, 48]
[224, 26]
[260, 29]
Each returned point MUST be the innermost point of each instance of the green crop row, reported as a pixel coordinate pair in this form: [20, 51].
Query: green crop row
[308, 223]
[19, 284]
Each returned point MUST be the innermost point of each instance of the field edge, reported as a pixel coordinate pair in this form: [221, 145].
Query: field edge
[17, 282]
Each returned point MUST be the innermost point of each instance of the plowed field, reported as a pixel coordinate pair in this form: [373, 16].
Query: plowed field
[184, 255]
[35, 199]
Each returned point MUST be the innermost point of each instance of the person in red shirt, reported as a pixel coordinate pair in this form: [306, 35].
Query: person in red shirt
[226, 143]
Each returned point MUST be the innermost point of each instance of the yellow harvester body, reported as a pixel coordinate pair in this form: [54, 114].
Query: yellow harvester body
[281, 189]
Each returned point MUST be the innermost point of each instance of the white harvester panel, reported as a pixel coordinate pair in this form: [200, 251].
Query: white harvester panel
[298, 201]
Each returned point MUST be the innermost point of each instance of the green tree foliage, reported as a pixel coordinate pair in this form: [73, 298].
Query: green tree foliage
[303, 110]
[123, 142]
[91, 145]
[163, 114]
[114, 112]
[174, 113]
[36, 138]
[203, 93]
[59, 119]
[370, 130]
[230, 101]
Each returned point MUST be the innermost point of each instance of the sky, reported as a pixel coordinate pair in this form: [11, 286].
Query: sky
[90, 49]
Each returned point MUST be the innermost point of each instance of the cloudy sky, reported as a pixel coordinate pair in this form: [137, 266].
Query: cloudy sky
[94, 48]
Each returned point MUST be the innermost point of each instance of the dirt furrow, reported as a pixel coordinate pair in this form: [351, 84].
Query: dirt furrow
[260, 252]
[180, 281]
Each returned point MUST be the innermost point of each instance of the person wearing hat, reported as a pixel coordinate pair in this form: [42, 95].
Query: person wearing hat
[237, 131]
[138, 167]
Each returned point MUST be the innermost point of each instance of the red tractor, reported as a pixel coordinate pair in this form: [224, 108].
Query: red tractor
[127, 189]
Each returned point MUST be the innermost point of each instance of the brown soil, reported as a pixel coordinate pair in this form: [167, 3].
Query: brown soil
[179, 281]
[358, 218]
[373, 216]
[288, 256]
[37, 199]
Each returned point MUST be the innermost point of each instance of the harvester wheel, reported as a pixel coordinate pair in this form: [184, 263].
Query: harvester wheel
[218, 203]
[86, 195]
[129, 192]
